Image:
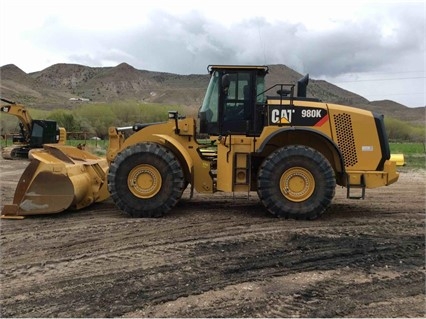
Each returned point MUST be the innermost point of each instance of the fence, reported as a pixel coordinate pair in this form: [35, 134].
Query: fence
[73, 138]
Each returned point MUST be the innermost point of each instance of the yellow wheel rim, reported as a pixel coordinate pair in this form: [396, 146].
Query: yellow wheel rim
[297, 184]
[144, 181]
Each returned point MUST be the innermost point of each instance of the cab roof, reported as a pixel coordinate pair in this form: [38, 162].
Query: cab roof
[262, 68]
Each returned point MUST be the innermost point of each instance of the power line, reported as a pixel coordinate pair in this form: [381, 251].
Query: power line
[373, 80]
[416, 93]
[397, 72]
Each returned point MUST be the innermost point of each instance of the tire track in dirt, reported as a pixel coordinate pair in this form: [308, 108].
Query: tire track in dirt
[214, 265]
[283, 305]
[215, 256]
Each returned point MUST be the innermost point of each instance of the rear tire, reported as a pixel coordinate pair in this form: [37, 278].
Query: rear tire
[146, 180]
[296, 182]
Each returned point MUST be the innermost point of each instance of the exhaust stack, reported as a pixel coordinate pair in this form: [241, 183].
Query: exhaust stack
[302, 85]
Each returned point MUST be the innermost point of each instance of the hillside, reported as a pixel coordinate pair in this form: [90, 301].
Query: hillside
[54, 86]
[398, 111]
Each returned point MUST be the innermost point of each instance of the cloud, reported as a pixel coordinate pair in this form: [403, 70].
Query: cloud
[381, 37]
[187, 43]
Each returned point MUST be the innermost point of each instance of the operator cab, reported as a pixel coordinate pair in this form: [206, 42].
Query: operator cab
[232, 104]
[43, 132]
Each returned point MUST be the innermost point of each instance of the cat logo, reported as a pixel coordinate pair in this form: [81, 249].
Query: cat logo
[283, 116]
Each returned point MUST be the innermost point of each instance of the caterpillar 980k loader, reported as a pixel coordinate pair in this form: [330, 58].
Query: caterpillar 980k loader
[291, 149]
[33, 133]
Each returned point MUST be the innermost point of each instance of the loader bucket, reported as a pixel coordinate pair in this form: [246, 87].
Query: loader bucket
[59, 178]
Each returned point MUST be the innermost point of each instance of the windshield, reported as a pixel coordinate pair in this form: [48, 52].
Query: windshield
[211, 100]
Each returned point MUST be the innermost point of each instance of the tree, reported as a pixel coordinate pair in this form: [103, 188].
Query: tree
[96, 118]
[65, 119]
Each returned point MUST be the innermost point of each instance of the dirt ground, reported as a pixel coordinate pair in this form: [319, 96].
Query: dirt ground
[219, 256]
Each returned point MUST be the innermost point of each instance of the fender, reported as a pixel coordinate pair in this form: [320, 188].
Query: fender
[188, 162]
[293, 129]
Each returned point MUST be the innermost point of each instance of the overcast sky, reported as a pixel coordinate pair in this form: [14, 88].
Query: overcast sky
[373, 48]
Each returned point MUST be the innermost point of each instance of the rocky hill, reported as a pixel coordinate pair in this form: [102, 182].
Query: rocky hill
[60, 85]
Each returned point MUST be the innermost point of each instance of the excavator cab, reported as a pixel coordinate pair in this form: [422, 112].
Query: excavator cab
[232, 104]
[43, 132]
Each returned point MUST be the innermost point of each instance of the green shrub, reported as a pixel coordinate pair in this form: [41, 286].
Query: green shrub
[398, 130]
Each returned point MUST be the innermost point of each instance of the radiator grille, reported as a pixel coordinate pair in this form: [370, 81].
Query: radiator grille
[345, 138]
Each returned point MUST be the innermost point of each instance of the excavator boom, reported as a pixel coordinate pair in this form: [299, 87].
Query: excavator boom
[21, 113]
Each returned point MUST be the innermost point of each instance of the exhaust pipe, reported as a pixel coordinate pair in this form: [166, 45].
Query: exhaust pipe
[302, 85]
[59, 178]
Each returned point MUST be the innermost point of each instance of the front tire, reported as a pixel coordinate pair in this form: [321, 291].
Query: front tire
[146, 180]
[296, 182]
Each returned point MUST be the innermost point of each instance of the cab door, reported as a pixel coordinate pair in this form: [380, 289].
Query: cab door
[237, 102]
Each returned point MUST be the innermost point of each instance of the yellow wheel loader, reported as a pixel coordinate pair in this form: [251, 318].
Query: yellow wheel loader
[291, 149]
[33, 133]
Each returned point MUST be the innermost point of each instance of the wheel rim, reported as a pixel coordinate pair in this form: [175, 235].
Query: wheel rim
[297, 184]
[144, 181]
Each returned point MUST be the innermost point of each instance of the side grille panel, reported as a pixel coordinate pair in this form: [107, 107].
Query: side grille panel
[345, 138]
